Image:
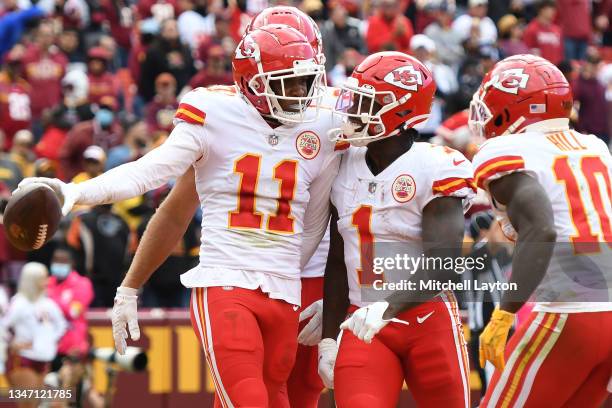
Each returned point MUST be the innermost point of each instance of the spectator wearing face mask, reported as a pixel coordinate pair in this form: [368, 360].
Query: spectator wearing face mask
[134, 144]
[102, 131]
[37, 324]
[73, 294]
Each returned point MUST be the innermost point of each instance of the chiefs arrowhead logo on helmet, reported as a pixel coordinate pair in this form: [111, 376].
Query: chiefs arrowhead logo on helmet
[246, 48]
[405, 77]
[510, 81]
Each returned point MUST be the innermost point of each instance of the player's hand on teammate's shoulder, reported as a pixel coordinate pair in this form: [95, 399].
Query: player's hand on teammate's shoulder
[125, 313]
[67, 193]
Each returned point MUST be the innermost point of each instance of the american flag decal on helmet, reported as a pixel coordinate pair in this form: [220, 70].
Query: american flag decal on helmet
[537, 108]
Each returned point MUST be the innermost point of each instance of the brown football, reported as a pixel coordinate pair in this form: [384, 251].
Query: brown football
[32, 216]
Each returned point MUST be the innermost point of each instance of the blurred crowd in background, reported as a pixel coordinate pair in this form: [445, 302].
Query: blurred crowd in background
[87, 85]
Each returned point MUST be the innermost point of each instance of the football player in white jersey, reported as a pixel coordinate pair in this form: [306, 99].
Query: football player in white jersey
[393, 192]
[304, 385]
[263, 168]
[551, 187]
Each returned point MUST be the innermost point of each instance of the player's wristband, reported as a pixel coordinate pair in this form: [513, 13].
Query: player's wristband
[125, 291]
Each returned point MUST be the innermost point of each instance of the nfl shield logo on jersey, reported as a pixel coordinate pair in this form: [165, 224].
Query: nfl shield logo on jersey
[308, 145]
[273, 140]
[403, 188]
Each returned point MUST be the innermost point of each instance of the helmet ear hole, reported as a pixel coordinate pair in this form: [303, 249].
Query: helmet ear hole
[498, 120]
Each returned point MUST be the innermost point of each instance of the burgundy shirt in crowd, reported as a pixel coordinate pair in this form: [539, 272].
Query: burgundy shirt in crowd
[574, 17]
[159, 115]
[202, 78]
[15, 109]
[101, 86]
[80, 137]
[44, 71]
[120, 19]
[545, 38]
[592, 117]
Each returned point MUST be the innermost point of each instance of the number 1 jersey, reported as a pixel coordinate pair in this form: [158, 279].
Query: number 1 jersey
[388, 208]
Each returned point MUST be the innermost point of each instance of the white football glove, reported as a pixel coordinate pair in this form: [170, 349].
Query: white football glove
[311, 333]
[68, 194]
[367, 321]
[328, 350]
[125, 313]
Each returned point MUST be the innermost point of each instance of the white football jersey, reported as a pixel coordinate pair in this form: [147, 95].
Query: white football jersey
[388, 207]
[264, 192]
[575, 170]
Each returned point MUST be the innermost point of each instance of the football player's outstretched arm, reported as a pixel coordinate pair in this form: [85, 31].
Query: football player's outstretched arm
[185, 145]
[442, 231]
[530, 213]
[335, 284]
[165, 229]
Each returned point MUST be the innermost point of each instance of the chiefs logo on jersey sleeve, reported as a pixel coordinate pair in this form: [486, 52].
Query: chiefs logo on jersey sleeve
[308, 145]
[405, 77]
[403, 188]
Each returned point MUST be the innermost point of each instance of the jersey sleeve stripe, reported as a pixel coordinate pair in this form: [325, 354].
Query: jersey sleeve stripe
[452, 184]
[190, 114]
[497, 165]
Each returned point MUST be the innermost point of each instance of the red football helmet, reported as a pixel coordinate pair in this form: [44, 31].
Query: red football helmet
[386, 90]
[519, 91]
[278, 52]
[293, 17]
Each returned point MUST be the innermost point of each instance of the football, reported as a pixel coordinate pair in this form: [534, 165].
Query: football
[32, 216]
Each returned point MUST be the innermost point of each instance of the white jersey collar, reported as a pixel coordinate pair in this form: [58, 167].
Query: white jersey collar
[549, 125]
